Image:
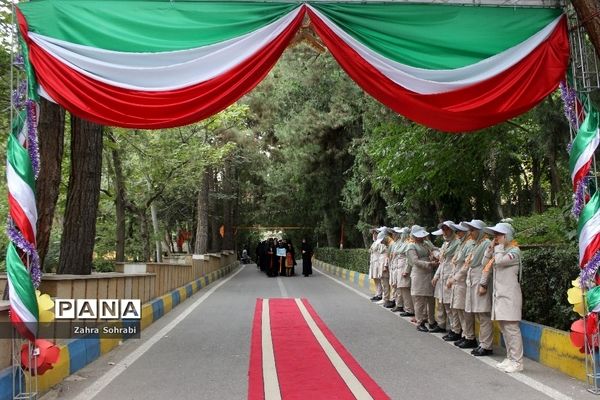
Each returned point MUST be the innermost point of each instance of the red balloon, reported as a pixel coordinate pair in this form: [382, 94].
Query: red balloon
[46, 355]
[591, 323]
[577, 339]
[576, 334]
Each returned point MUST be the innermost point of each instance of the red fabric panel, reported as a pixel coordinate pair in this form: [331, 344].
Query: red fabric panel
[589, 252]
[108, 105]
[255, 375]
[21, 220]
[20, 326]
[582, 173]
[495, 100]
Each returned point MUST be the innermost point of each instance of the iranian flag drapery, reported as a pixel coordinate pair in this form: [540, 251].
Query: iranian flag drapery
[156, 64]
[451, 68]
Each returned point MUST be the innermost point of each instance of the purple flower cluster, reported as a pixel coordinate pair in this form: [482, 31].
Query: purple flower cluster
[588, 273]
[19, 95]
[34, 261]
[19, 61]
[569, 98]
[579, 197]
[32, 139]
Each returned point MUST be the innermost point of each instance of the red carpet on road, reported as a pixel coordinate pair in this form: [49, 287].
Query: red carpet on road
[295, 356]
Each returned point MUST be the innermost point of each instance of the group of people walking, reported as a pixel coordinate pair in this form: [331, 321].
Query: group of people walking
[473, 275]
[277, 257]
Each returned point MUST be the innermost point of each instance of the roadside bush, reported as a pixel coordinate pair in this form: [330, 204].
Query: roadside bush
[554, 226]
[547, 274]
[352, 259]
[101, 265]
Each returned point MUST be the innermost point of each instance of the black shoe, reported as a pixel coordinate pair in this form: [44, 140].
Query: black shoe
[422, 328]
[375, 298]
[468, 344]
[459, 341]
[397, 309]
[451, 337]
[407, 314]
[389, 304]
[480, 351]
[437, 329]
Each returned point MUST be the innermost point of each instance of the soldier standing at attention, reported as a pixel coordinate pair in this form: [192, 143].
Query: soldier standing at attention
[378, 269]
[421, 275]
[444, 317]
[459, 289]
[474, 256]
[507, 297]
[404, 270]
[477, 304]
[403, 299]
[393, 267]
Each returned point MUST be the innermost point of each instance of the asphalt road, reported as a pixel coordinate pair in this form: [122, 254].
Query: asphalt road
[206, 354]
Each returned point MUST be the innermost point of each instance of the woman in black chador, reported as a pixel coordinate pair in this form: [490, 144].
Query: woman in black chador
[270, 259]
[306, 258]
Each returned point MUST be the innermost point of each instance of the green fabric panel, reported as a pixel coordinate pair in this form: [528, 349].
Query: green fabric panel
[32, 85]
[18, 157]
[585, 135]
[21, 280]
[148, 26]
[435, 36]
[588, 212]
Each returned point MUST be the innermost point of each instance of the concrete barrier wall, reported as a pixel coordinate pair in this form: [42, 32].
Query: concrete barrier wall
[548, 346]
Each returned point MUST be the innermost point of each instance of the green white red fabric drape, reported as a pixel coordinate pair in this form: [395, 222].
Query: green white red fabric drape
[585, 208]
[157, 64]
[21, 257]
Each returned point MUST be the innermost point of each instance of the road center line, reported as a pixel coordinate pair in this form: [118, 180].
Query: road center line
[355, 386]
[103, 381]
[282, 288]
[524, 379]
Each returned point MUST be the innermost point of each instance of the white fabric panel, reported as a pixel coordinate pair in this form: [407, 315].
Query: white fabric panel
[23, 194]
[588, 233]
[586, 155]
[165, 70]
[425, 81]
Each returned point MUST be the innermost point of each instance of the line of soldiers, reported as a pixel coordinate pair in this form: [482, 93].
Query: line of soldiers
[470, 277]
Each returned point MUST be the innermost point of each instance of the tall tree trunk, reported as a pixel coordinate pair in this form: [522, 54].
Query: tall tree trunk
[202, 213]
[215, 222]
[155, 228]
[554, 177]
[536, 186]
[119, 202]
[331, 230]
[227, 205]
[169, 242]
[51, 132]
[144, 235]
[588, 13]
[79, 231]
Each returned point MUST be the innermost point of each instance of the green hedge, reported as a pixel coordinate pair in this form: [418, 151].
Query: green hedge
[547, 274]
[352, 259]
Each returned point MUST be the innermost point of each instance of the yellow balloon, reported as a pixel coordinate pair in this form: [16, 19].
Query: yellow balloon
[45, 302]
[576, 283]
[579, 309]
[46, 316]
[574, 295]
